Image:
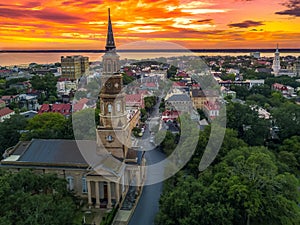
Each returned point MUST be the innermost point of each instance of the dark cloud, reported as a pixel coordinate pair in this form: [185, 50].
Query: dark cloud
[246, 24]
[82, 3]
[205, 21]
[45, 14]
[293, 8]
[257, 30]
[31, 4]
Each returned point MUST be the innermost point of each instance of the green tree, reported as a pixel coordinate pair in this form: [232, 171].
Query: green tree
[252, 129]
[127, 79]
[289, 151]
[245, 188]
[241, 91]
[46, 84]
[150, 102]
[287, 118]
[84, 124]
[172, 71]
[30, 199]
[48, 126]
[10, 131]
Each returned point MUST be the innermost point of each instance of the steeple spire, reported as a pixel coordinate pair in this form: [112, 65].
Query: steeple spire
[277, 50]
[110, 42]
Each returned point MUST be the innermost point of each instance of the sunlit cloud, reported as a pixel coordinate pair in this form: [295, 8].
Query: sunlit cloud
[204, 11]
[82, 24]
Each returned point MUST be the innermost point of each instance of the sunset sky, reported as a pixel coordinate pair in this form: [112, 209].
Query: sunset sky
[82, 24]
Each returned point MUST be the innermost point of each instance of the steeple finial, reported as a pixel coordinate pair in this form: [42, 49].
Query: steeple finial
[110, 42]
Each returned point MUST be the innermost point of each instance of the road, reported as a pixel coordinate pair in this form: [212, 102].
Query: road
[148, 204]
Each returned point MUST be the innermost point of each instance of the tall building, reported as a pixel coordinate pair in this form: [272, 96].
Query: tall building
[103, 173]
[73, 67]
[296, 69]
[113, 115]
[276, 62]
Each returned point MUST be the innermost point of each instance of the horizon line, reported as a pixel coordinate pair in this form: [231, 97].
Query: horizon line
[265, 50]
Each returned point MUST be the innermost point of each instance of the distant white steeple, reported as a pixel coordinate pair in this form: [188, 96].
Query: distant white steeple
[276, 62]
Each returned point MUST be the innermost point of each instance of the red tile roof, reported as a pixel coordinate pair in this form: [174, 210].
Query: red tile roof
[170, 115]
[135, 100]
[7, 97]
[5, 111]
[279, 86]
[64, 109]
[211, 105]
[179, 84]
[182, 74]
[150, 84]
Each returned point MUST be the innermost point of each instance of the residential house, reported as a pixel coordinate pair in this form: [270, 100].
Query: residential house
[64, 109]
[6, 113]
[211, 110]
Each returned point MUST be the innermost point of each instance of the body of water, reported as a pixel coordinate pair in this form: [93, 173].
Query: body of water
[8, 59]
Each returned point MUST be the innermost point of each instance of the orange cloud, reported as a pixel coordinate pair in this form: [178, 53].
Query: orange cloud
[81, 24]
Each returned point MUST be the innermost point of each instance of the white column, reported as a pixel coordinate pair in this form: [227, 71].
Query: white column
[108, 195]
[97, 194]
[117, 185]
[138, 179]
[89, 192]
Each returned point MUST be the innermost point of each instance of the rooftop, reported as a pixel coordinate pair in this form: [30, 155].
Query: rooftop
[40, 151]
[5, 111]
[178, 97]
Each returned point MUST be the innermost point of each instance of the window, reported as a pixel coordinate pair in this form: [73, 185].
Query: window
[84, 185]
[109, 108]
[108, 67]
[118, 107]
[115, 67]
[70, 184]
[109, 138]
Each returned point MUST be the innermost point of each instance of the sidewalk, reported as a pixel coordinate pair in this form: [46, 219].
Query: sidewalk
[123, 216]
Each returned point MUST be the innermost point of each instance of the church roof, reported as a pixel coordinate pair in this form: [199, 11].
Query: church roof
[110, 42]
[47, 152]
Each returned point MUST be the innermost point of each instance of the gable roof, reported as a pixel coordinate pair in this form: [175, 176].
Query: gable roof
[5, 111]
[46, 152]
[63, 153]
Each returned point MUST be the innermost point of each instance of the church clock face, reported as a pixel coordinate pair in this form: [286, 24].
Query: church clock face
[117, 85]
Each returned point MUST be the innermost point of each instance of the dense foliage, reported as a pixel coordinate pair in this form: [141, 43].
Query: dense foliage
[48, 126]
[31, 199]
[254, 178]
[10, 131]
[246, 187]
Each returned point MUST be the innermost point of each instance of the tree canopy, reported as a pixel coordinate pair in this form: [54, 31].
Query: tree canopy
[48, 126]
[27, 198]
[10, 131]
[245, 188]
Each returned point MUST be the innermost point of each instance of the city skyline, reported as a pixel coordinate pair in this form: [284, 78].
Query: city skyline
[209, 24]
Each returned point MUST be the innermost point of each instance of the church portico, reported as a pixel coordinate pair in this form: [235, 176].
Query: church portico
[103, 193]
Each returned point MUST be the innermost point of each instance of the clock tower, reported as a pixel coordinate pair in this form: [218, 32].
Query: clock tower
[112, 133]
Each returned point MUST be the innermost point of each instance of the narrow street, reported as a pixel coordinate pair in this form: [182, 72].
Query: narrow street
[148, 204]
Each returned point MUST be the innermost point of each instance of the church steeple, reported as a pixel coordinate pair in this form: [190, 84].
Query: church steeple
[110, 42]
